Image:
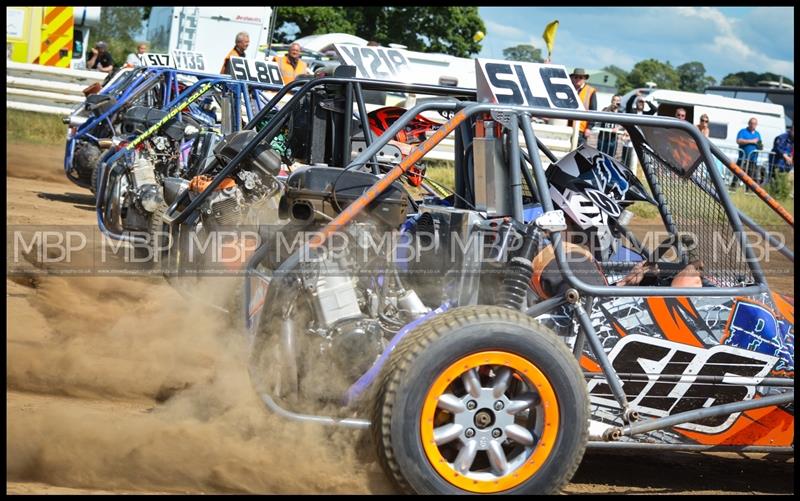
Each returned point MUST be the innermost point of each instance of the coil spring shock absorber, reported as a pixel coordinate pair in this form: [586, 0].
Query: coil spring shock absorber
[519, 271]
[515, 283]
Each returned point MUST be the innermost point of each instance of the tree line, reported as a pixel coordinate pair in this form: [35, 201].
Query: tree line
[447, 30]
[689, 77]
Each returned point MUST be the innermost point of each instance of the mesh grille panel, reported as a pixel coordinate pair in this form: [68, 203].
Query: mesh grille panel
[696, 212]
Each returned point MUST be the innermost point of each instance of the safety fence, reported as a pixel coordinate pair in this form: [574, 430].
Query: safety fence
[758, 164]
[761, 165]
[46, 89]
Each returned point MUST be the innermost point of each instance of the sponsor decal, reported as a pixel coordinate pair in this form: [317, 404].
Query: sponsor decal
[170, 115]
[248, 19]
[753, 327]
[730, 374]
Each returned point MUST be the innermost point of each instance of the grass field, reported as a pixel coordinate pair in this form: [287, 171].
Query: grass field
[38, 128]
[442, 173]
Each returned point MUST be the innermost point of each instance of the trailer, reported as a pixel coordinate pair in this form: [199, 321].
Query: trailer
[210, 31]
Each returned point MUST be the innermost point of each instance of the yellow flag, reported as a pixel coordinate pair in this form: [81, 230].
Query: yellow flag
[549, 36]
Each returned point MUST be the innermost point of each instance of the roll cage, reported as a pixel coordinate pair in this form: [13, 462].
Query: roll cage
[667, 182]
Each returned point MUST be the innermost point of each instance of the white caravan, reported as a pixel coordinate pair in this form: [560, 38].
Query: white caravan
[727, 116]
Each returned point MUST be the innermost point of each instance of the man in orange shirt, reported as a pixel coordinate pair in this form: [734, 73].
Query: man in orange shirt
[241, 44]
[291, 65]
[588, 96]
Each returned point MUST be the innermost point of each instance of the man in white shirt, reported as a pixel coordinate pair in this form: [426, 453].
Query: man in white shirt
[136, 59]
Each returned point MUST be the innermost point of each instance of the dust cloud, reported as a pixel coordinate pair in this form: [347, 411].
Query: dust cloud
[120, 383]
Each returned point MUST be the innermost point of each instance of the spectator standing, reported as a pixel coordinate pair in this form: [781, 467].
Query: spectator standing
[588, 96]
[607, 139]
[703, 125]
[636, 106]
[783, 152]
[100, 58]
[240, 45]
[704, 129]
[135, 58]
[291, 65]
[749, 141]
[614, 107]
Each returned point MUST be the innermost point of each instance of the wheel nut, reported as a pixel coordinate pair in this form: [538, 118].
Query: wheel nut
[469, 433]
[498, 406]
[471, 405]
[496, 433]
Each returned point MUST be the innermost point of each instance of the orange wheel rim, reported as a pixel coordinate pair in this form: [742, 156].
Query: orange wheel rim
[489, 422]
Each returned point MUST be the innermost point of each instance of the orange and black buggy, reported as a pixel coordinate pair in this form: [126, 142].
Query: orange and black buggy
[487, 330]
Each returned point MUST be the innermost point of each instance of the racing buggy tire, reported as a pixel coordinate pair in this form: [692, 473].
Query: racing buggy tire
[156, 234]
[86, 158]
[481, 399]
[93, 182]
[159, 234]
[96, 171]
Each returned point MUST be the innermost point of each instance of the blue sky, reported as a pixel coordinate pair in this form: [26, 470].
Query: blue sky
[724, 39]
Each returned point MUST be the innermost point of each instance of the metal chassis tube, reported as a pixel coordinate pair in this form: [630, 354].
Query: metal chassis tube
[685, 417]
[599, 445]
[753, 185]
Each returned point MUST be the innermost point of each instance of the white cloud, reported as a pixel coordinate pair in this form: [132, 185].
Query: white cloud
[503, 31]
[572, 52]
[709, 13]
[727, 44]
[725, 40]
[770, 29]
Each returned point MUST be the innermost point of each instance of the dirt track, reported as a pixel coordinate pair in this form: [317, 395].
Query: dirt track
[117, 384]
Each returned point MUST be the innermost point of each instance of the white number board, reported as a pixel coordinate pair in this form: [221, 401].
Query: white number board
[154, 59]
[188, 60]
[255, 71]
[526, 84]
[376, 63]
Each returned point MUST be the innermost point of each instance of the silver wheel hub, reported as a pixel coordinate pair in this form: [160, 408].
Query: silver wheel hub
[484, 419]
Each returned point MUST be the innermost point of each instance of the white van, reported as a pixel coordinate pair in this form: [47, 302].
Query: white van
[727, 116]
